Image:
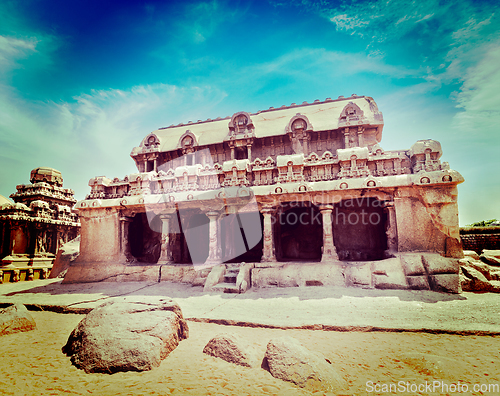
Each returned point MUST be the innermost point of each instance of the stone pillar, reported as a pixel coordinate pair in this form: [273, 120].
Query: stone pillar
[214, 239]
[268, 251]
[145, 164]
[361, 142]
[329, 250]
[166, 256]
[346, 138]
[154, 164]
[249, 152]
[391, 228]
[125, 254]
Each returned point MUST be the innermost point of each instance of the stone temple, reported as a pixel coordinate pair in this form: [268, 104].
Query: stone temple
[33, 228]
[292, 196]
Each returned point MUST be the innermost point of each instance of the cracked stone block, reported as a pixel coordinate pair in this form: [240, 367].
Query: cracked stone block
[437, 264]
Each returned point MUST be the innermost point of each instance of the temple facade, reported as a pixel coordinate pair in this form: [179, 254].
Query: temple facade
[302, 194]
[35, 225]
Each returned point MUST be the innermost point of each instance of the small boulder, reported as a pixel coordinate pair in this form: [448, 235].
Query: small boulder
[15, 319]
[288, 360]
[230, 348]
[126, 336]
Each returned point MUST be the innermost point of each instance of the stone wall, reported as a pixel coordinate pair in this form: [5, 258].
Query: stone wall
[480, 238]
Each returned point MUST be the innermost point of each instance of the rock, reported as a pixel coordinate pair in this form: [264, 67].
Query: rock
[448, 283]
[126, 336]
[15, 319]
[418, 282]
[389, 274]
[412, 264]
[437, 264]
[243, 280]
[453, 247]
[478, 281]
[66, 254]
[230, 348]
[490, 258]
[490, 252]
[288, 360]
[215, 277]
[472, 254]
[477, 265]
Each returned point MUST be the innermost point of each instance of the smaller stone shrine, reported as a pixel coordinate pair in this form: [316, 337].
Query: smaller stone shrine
[35, 225]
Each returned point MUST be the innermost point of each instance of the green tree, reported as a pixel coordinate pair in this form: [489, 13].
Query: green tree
[484, 223]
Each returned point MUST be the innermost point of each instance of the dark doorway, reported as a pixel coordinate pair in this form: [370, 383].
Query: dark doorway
[195, 240]
[300, 233]
[145, 244]
[241, 236]
[359, 229]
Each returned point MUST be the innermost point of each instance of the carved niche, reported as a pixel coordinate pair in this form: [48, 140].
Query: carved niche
[151, 142]
[241, 125]
[187, 143]
[298, 130]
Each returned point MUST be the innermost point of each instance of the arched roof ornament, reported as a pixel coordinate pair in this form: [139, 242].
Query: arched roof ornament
[351, 113]
[299, 123]
[151, 141]
[240, 123]
[187, 142]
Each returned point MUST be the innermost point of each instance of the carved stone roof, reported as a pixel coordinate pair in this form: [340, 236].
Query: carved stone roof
[323, 116]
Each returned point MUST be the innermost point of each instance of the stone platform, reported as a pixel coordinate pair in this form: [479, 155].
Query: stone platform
[321, 308]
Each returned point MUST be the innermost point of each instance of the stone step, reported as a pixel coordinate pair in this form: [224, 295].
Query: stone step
[230, 278]
[226, 287]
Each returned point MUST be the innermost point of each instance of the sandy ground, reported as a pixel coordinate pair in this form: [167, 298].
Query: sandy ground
[32, 363]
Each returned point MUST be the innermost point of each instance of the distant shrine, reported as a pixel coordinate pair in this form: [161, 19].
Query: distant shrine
[33, 228]
[303, 194]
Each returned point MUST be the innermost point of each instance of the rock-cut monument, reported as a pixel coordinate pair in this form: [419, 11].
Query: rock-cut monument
[35, 225]
[292, 196]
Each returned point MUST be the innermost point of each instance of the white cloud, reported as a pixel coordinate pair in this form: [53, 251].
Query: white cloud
[13, 49]
[92, 135]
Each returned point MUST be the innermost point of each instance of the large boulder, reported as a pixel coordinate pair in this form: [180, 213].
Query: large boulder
[288, 360]
[126, 336]
[15, 319]
[230, 348]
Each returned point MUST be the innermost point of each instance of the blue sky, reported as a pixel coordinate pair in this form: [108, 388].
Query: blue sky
[82, 82]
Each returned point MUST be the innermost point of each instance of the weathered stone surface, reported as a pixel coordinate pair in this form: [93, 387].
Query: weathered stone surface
[231, 348]
[65, 256]
[288, 360]
[215, 277]
[388, 274]
[477, 265]
[448, 283]
[453, 248]
[120, 336]
[15, 319]
[412, 264]
[244, 278]
[491, 257]
[436, 264]
[418, 282]
[472, 254]
[294, 275]
[476, 280]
